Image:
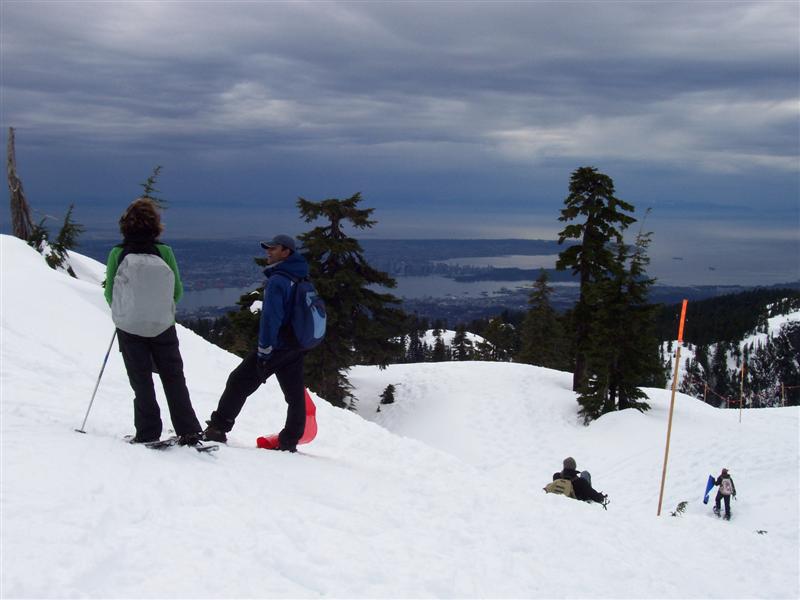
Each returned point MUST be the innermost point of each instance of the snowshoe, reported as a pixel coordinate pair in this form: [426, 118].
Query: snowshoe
[135, 439]
[192, 440]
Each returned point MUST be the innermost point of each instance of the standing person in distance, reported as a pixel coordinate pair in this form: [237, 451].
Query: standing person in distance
[142, 286]
[726, 490]
[278, 352]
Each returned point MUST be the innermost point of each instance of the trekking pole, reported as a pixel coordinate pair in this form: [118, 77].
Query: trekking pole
[96, 385]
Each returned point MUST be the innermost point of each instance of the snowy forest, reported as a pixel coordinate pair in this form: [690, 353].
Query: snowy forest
[733, 356]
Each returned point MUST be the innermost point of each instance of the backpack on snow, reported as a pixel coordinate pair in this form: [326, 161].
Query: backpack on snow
[143, 298]
[561, 486]
[308, 317]
[726, 487]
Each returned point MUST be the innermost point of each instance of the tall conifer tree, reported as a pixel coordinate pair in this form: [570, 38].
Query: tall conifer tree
[603, 219]
[637, 361]
[622, 349]
[363, 324]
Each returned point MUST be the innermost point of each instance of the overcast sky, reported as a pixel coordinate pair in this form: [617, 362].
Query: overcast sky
[453, 119]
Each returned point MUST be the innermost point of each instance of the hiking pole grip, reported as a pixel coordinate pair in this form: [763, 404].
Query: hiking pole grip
[97, 384]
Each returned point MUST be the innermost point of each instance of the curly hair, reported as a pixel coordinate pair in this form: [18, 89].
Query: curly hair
[141, 220]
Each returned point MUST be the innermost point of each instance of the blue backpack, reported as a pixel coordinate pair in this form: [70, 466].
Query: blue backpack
[308, 313]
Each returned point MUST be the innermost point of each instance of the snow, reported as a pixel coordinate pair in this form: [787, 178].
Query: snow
[437, 495]
[448, 335]
[774, 326]
[753, 339]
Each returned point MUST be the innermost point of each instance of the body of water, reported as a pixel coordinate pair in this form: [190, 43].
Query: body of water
[703, 266]
[212, 298]
[516, 261]
[436, 286]
[432, 286]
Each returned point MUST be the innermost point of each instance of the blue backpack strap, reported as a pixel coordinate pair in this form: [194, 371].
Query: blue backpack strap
[288, 276]
[287, 330]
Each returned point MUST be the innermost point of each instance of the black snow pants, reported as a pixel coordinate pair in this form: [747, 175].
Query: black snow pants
[585, 491]
[727, 499]
[141, 354]
[287, 366]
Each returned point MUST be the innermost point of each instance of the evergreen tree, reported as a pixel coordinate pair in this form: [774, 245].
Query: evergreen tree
[730, 317]
[438, 327]
[692, 382]
[500, 341]
[542, 336]
[597, 396]
[238, 330]
[773, 364]
[786, 349]
[66, 240]
[462, 347]
[636, 362]
[415, 352]
[701, 356]
[363, 325]
[763, 381]
[217, 331]
[149, 188]
[56, 252]
[719, 377]
[387, 397]
[592, 198]
[427, 352]
[622, 347]
[439, 353]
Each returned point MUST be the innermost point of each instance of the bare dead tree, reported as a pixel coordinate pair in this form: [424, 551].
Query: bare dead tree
[21, 222]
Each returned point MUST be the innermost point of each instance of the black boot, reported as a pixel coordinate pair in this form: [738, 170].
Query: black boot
[213, 434]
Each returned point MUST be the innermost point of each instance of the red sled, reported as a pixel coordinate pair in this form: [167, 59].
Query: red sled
[270, 442]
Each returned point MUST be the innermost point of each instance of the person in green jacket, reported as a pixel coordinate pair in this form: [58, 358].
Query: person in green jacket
[142, 286]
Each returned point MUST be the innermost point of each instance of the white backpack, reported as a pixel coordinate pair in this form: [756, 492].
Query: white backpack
[726, 487]
[143, 302]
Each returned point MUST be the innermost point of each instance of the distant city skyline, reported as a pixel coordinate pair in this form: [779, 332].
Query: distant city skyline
[453, 119]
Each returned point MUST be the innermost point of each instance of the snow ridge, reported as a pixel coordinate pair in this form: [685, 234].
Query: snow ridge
[438, 495]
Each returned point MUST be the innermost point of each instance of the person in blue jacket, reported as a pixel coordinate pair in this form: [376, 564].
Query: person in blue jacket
[277, 353]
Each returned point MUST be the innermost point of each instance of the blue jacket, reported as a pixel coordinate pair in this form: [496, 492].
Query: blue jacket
[276, 311]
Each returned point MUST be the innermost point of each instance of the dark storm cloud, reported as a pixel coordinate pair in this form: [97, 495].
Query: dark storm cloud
[528, 80]
[464, 108]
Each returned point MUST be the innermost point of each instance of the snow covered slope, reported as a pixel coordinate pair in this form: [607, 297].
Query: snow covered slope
[438, 495]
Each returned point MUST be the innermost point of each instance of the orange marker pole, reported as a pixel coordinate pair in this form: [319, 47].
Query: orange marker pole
[672, 405]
